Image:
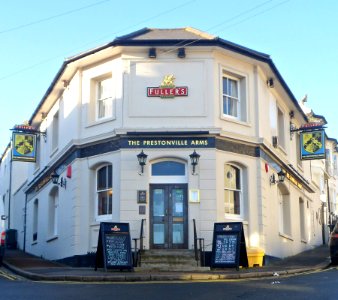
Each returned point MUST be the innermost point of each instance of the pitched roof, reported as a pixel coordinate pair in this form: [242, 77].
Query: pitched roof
[187, 33]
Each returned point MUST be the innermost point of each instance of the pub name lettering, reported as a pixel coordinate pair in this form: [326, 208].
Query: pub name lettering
[168, 143]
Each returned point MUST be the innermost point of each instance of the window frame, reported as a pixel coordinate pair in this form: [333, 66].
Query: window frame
[53, 211]
[106, 189]
[242, 90]
[281, 132]
[169, 178]
[298, 152]
[302, 219]
[99, 100]
[236, 190]
[55, 131]
[284, 204]
[38, 153]
[35, 223]
[231, 97]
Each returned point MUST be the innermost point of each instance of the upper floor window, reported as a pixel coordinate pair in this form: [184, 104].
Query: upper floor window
[232, 190]
[335, 165]
[104, 190]
[280, 127]
[55, 131]
[38, 153]
[104, 98]
[233, 96]
[53, 213]
[298, 153]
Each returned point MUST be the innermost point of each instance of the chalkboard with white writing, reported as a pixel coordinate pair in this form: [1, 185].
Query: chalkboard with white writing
[114, 247]
[228, 247]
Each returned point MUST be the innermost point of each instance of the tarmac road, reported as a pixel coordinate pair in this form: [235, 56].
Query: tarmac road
[316, 285]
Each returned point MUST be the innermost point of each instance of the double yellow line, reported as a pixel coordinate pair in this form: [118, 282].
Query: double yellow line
[6, 275]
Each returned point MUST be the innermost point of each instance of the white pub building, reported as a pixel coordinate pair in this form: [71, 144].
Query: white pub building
[173, 127]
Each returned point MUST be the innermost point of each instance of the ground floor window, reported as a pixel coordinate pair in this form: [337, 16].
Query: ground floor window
[232, 190]
[284, 212]
[53, 212]
[302, 219]
[35, 219]
[104, 190]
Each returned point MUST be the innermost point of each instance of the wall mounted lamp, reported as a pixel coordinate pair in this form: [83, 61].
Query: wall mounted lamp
[152, 53]
[181, 52]
[142, 160]
[194, 157]
[281, 177]
[55, 180]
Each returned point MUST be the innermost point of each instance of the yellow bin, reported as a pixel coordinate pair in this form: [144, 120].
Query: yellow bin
[255, 257]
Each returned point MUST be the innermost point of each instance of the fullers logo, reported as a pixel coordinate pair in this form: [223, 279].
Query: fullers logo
[115, 228]
[227, 228]
[167, 89]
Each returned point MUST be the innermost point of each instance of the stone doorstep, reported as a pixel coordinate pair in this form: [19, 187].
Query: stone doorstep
[166, 268]
[169, 260]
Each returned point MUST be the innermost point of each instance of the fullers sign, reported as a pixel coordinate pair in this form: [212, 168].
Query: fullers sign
[167, 89]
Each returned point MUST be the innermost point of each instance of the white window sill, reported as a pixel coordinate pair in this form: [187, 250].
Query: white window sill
[54, 151]
[34, 243]
[282, 149]
[234, 120]
[105, 218]
[52, 238]
[36, 170]
[303, 241]
[283, 235]
[100, 121]
[235, 218]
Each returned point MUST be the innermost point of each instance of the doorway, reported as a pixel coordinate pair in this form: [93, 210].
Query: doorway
[168, 216]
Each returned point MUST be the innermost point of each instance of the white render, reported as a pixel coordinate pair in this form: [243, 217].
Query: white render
[132, 72]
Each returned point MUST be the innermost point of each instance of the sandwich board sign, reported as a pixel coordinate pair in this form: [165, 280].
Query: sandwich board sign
[228, 246]
[114, 247]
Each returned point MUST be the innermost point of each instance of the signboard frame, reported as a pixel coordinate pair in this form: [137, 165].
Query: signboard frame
[114, 247]
[318, 137]
[24, 146]
[228, 246]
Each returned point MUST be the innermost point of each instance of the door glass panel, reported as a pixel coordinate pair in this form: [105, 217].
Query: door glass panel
[178, 233]
[158, 200]
[158, 237]
[177, 202]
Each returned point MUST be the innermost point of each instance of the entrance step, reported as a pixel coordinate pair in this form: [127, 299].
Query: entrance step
[169, 260]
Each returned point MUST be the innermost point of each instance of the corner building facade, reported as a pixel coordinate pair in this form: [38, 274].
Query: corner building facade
[168, 93]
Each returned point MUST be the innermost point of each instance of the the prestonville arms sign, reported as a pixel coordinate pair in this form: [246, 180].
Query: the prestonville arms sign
[167, 89]
[167, 142]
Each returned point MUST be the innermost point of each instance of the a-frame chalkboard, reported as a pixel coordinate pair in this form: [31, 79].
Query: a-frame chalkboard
[114, 247]
[228, 246]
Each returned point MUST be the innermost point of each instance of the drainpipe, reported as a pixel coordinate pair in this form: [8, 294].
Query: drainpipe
[328, 204]
[10, 194]
[25, 224]
[323, 223]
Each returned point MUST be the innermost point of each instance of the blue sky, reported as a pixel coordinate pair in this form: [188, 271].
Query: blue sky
[36, 36]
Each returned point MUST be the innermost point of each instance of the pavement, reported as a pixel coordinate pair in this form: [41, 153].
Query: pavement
[38, 269]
